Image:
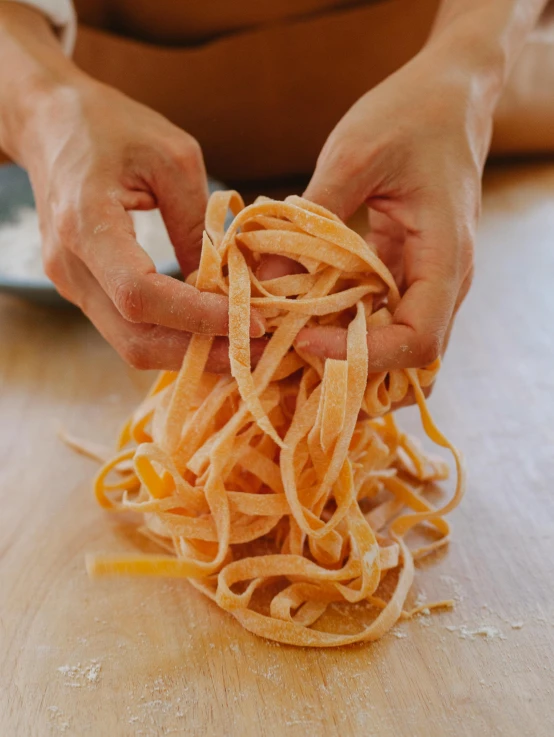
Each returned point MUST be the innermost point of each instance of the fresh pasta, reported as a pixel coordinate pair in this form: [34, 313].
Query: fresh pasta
[282, 490]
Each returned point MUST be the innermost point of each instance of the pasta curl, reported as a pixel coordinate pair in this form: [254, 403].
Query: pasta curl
[281, 490]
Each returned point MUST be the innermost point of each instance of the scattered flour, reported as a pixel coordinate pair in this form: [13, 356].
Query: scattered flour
[81, 675]
[458, 592]
[399, 634]
[424, 619]
[486, 631]
[424, 616]
[58, 718]
[421, 598]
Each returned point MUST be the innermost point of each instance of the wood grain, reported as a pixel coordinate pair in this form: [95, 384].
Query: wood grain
[148, 657]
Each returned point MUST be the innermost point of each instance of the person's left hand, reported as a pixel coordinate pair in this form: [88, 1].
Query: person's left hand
[413, 150]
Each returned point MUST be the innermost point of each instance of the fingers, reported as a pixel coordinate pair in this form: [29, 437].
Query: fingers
[437, 270]
[272, 267]
[323, 342]
[142, 346]
[157, 348]
[104, 240]
[396, 346]
[181, 189]
[218, 361]
[423, 224]
[154, 347]
[420, 323]
[434, 270]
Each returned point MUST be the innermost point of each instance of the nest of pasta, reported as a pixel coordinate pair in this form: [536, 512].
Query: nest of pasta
[282, 490]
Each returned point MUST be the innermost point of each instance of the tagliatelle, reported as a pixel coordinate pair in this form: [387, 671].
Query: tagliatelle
[280, 491]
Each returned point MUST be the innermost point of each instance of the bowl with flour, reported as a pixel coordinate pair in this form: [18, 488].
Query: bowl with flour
[21, 269]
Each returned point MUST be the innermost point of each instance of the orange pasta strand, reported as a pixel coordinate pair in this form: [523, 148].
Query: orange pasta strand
[280, 491]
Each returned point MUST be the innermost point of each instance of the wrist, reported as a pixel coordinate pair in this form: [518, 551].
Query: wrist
[472, 49]
[41, 106]
[33, 69]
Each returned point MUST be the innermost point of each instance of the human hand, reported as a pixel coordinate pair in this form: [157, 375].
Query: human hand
[94, 156]
[412, 149]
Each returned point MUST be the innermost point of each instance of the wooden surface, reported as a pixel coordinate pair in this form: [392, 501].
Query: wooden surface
[148, 657]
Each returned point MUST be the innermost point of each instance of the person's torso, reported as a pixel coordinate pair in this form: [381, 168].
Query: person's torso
[259, 83]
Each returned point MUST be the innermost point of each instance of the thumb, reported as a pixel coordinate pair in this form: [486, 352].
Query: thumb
[339, 182]
[182, 194]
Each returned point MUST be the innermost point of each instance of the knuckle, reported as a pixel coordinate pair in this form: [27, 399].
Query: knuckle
[355, 153]
[345, 155]
[187, 154]
[128, 298]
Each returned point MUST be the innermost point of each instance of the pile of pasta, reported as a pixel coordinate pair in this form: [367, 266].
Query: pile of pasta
[283, 490]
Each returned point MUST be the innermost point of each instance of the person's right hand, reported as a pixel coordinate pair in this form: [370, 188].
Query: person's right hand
[95, 155]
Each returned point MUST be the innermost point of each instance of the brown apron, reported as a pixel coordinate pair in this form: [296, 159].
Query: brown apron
[261, 83]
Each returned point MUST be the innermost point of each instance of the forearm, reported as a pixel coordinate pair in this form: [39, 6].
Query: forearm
[32, 67]
[486, 35]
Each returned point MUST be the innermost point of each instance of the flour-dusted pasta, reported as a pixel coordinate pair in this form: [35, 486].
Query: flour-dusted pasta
[280, 490]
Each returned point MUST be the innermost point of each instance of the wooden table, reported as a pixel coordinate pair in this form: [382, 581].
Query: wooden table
[147, 657]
